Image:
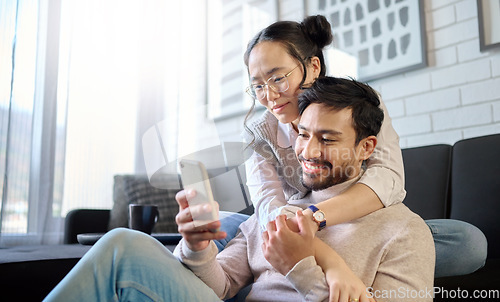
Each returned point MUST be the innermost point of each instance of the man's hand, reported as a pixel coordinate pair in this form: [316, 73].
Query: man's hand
[197, 238]
[282, 247]
[311, 224]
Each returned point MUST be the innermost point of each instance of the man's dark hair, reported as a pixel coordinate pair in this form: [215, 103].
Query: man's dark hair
[338, 93]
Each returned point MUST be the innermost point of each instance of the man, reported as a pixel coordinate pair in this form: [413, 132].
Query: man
[390, 250]
[385, 256]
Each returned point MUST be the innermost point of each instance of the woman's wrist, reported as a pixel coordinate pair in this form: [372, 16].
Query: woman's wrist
[313, 225]
[325, 256]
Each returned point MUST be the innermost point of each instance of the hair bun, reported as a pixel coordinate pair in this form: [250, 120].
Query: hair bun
[318, 29]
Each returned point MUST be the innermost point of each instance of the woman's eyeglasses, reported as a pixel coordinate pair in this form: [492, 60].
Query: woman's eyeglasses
[277, 82]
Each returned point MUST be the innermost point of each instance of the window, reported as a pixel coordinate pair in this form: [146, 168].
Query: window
[18, 41]
[80, 83]
[232, 25]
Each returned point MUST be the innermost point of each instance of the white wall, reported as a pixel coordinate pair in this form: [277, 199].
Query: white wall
[456, 96]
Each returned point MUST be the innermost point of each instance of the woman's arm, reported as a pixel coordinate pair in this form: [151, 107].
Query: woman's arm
[357, 201]
[381, 185]
[342, 281]
[385, 171]
[286, 250]
[265, 188]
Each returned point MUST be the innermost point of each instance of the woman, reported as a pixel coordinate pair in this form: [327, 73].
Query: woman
[282, 60]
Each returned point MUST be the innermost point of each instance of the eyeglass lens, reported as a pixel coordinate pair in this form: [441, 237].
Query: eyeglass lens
[278, 83]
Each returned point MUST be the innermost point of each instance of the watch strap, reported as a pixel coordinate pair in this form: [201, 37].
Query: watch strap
[313, 208]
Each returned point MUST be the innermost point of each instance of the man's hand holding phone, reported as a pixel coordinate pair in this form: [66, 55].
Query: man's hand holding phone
[197, 237]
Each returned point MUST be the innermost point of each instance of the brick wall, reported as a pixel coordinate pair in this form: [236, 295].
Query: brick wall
[456, 96]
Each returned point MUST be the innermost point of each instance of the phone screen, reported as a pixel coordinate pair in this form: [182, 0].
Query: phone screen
[194, 176]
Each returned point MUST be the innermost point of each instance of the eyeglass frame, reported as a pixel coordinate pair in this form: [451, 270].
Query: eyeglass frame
[248, 90]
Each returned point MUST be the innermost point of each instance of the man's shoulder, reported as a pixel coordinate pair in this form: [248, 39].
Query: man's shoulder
[397, 211]
[397, 217]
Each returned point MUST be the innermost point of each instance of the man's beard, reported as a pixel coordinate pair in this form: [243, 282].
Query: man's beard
[331, 176]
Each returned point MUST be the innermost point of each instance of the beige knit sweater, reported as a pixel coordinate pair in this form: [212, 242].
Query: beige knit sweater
[390, 250]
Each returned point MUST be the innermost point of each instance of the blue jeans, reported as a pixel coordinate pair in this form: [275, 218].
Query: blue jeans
[230, 222]
[127, 265]
[461, 248]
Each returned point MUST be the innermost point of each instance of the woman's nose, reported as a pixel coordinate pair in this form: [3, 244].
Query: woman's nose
[271, 94]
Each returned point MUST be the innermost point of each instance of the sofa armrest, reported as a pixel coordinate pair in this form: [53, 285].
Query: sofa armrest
[80, 221]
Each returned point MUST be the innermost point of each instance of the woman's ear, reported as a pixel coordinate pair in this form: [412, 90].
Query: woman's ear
[314, 67]
[367, 146]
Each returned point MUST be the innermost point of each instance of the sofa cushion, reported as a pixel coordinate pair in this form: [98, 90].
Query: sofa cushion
[129, 189]
[475, 186]
[427, 175]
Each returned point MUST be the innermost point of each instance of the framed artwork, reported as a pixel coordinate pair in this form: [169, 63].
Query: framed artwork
[385, 36]
[489, 23]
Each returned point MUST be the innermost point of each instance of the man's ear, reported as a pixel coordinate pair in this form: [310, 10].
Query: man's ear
[367, 146]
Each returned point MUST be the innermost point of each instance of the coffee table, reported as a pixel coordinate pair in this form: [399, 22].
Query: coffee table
[164, 238]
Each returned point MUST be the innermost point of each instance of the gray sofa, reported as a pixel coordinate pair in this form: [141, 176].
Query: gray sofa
[442, 181]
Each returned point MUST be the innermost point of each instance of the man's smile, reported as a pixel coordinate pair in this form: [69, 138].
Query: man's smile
[313, 166]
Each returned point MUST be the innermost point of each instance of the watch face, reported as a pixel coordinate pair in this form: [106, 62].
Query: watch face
[319, 216]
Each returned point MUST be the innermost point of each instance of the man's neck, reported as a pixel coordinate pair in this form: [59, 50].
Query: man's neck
[321, 195]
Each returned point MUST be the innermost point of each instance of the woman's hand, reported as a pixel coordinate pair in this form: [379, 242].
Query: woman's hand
[197, 237]
[282, 247]
[310, 223]
[344, 285]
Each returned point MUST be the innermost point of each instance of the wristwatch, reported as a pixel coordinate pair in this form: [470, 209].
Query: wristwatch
[318, 217]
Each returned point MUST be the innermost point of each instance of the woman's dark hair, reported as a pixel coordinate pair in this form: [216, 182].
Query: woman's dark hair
[302, 41]
[337, 94]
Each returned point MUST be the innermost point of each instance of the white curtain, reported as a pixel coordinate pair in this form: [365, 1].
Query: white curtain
[80, 82]
[26, 146]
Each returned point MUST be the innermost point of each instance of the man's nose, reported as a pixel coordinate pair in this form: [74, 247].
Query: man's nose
[311, 149]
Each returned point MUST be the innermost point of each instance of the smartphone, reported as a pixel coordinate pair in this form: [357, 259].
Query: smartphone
[194, 176]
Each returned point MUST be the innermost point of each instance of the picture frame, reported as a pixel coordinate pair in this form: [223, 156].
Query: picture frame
[488, 15]
[386, 37]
